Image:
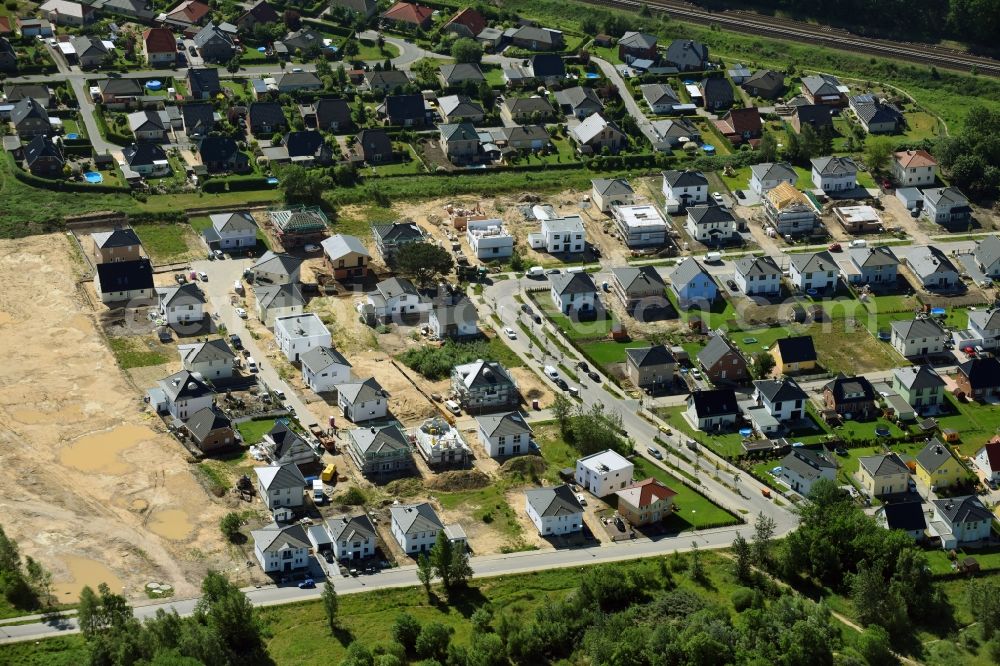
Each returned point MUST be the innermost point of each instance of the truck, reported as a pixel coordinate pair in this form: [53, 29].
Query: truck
[713, 257]
[318, 496]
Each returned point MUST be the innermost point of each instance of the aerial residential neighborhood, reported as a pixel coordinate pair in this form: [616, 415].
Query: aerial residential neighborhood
[457, 324]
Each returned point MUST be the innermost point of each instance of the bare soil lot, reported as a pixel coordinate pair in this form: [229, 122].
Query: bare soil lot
[90, 484]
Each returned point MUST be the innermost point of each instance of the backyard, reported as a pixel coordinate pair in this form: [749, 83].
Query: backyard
[166, 243]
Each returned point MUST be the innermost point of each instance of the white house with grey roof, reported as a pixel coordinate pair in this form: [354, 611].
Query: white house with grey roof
[415, 526]
[389, 238]
[872, 266]
[573, 292]
[918, 337]
[710, 224]
[484, 386]
[458, 108]
[660, 98]
[281, 548]
[932, 268]
[503, 435]
[323, 368]
[231, 231]
[684, 188]
[347, 256]
[454, 320]
[297, 334]
[351, 537]
[803, 467]
[817, 270]
[961, 521]
[559, 235]
[596, 133]
[758, 276]
[396, 298]
[277, 300]
[280, 485]
[380, 453]
[362, 400]
[946, 205]
[608, 192]
[834, 174]
[275, 268]
[554, 511]
[984, 330]
[282, 446]
[782, 398]
[692, 284]
[987, 255]
[181, 304]
[183, 395]
[768, 175]
[211, 360]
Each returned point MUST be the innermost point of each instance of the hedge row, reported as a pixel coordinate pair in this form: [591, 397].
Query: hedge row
[235, 184]
[64, 186]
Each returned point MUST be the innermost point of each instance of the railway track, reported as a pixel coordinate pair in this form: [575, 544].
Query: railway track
[756, 24]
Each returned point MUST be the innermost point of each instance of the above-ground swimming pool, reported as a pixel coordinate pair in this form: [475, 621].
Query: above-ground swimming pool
[592, 75]
[938, 312]
[272, 181]
[72, 135]
[93, 177]
[154, 85]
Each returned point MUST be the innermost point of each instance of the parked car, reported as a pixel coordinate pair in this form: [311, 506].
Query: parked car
[180, 278]
[583, 366]
[307, 584]
[581, 499]
[526, 309]
[537, 318]
[553, 271]
[241, 313]
[717, 196]
[311, 247]
[835, 247]
[203, 276]
[732, 285]
[594, 376]
[219, 254]
[509, 332]
[561, 383]
[235, 341]
[654, 452]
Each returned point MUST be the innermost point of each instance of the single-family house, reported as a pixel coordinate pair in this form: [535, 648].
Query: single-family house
[408, 16]
[834, 174]
[333, 115]
[554, 511]
[936, 467]
[758, 276]
[34, 27]
[347, 256]
[883, 474]
[518, 110]
[918, 337]
[460, 142]
[765, 83]
[817, 116]
[287, 82]
[390, 238]
[43, 157]
[159, 46]
[794, 354]
[872, 265]
[362, 400]
[404, 110]
[120, 244]
[987, 256]
[604, 472]
[947, 206]
[211, 430]
[609, 192]
[920, 386]
[722, 362]
[460, 74]
[687, 55]
[913, 168]
[876, 115]
[573, 292]
[284, 446]
[503, 435]
[212, 359]
[933, 269]
[466, 23]
[636, 45]
[351, 537]
[380, 453]
[803, 467]
[203, 82]
[281, 548]
[280, 485]
[231, 231]
[907, 516]
[851, 397]
[181, 304]
[397, 298]
[984, 327]
[489, 239]
[660, 98]
[276, 268]
[484, 386]
[277, 300]
[862, 219]
[64, 12]
[711, 224]
[184, 394]
[454, 320]
[640, 225]
[740, 126]
[147, 126]
[459, 108]
[30, 119]
[987, 462]
[147, 159]
[297, 334]
[560, 235]
[323, 368]
[308, 147]
[824, 89]
[646, 502]
[716, 93]
[533, 38]
[650, 368]
[684, 188]
[638, 287]
[386, 80]
[259, 13]
[712, 410]
[304, 41]
[373, 146]
[979, 378]
[124, 280]
[595, 134]
[788, 211]
[265, 119]
[525, 138]
[186, 14]
[8, 57]
[440, 444]
[782, 398]
[198, 119]
[768, 175]
[693, 285]
[961, 521]
[815, 270]
[578, 102]
[119, 91]
[215, 44]
[90, 51]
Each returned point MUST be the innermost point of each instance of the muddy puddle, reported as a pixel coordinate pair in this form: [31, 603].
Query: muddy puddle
[84, 572]
[100, 452]
[171, 524]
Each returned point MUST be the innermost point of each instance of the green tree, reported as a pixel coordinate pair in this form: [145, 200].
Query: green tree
[878, 150]
[762, 364]
[351, 49]
[983, 600]
[875, 602]
[405, 630]
[358, 655]
[466, 50]
[423, 262]
[486, 650]
[742, 567]
[432, 643]
[460, 570]
[873, 644]
[763, 532]
[442, 555]
[330, 605]
[425, 573]
[303, 185]
[228, 612]
[696, 570]
[230, 526]
[767, 149]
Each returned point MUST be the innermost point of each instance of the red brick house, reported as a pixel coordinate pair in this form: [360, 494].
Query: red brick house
[739, 125]
[408, 16]
[723, 363]
[979, 378]
[211, 430]
[466, 23]
[851, 397]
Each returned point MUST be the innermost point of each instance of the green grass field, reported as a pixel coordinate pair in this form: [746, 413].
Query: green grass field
[693, 510]
[254, 431]
[165, 243]
[133, 353]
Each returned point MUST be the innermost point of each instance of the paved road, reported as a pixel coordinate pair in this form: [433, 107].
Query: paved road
[645, 126]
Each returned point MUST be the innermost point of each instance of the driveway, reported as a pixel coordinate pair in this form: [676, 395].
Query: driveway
[645, 126]
[101, 146]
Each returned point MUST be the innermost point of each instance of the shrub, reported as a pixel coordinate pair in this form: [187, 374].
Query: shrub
[742, 599]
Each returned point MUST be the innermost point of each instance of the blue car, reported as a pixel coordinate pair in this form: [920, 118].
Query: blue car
[307, 584]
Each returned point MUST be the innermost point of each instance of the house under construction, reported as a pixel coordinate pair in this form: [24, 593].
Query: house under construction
[299, 226]
[440, 443]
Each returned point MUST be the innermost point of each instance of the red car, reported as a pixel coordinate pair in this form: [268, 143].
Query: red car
[834, 247]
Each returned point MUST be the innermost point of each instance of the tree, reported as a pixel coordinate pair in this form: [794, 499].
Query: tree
[351, 49]
[873, 644]
[330, 605]
[466, 50]
[230, 526]
[441, 557]
[292, 19]
[768, 148]
[405, 630]
[878, 150]
[875, 602]
[228, 612]
[233, 65]
[696, 570]
[763, 364]
[358, 655]
[460, 570]
[432, 643]
[983, 599]
[562, 409]
[423, 262]
[763, 533]
[425, 572]
[303, 185]
[486, 649]
[741, 559]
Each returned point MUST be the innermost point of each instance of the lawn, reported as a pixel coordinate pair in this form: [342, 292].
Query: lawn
[609, 352]
[977, 423]
[369, 50]
[165, 243]
[920, 125]
[556, 452]
[134, 353]
[494, 75]
[722, 313]
[692, 509]
[487, 505]
[254, 431]
[406, 168]
[728, 445]
[574, 330]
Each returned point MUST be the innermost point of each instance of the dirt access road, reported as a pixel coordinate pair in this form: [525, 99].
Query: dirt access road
[90, 484]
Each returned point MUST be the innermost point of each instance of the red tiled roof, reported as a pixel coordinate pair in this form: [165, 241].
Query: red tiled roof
[159, 40]
[191, 11]
[647, 492]
[993, 455]
[914, 158]
[408, 13]
[4, 25]
[471, 19]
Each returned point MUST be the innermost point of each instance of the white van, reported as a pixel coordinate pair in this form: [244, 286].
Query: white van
[535, 271]
[238, 288]
[551, 372]
[453, 407]
[713, 257]
[251, 364]
[860, 242]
